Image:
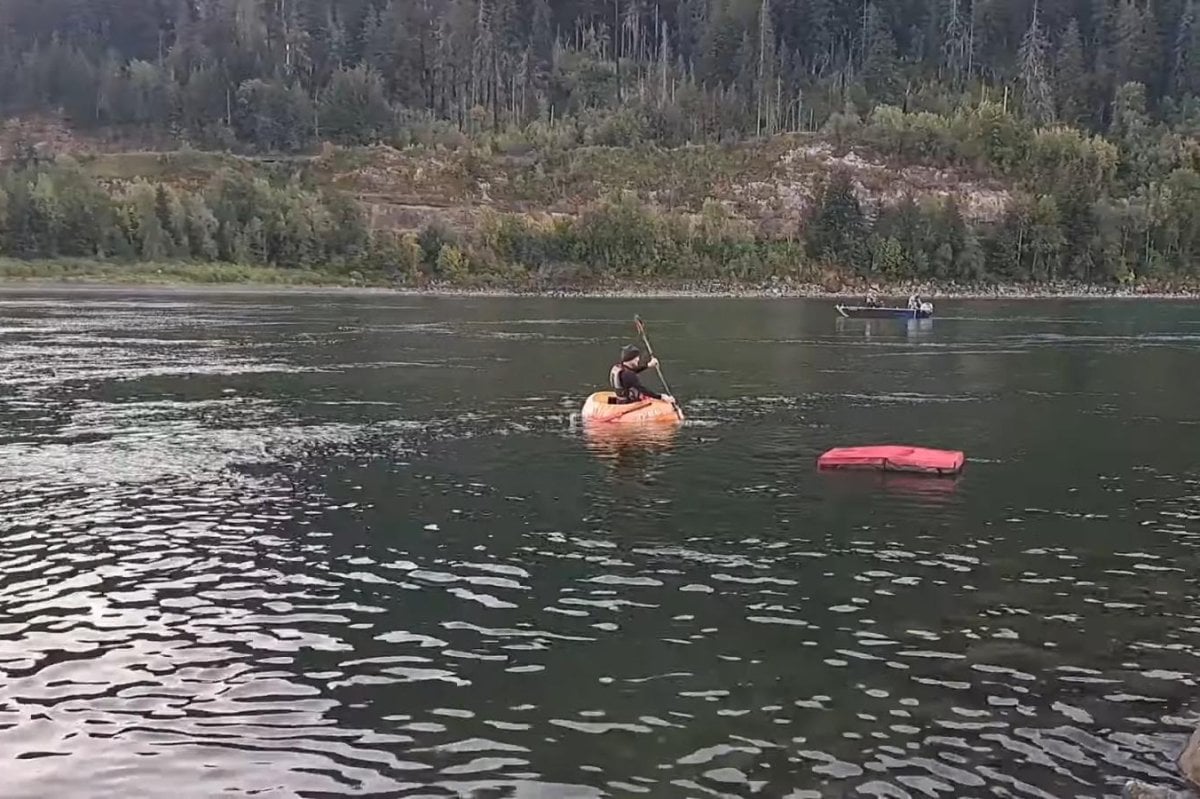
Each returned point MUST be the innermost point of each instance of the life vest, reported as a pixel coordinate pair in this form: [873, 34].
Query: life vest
[623, 394]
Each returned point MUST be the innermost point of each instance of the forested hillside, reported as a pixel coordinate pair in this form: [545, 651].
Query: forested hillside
[1086, 111]
[277, 73]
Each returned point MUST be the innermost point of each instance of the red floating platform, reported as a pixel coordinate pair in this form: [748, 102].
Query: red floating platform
[894, 458]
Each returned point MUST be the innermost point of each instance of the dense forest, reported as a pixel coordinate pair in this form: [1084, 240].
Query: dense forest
[278, 73]
[1088, 108]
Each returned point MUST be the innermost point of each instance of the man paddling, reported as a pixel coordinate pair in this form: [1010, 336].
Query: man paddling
[625, 381]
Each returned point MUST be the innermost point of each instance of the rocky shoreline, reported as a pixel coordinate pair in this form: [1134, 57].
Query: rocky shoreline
[886, 293]
[889, 294]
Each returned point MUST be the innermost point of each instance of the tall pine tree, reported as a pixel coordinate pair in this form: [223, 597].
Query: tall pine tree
[1037, 99]
[956, 43]
[880, 61]
[1185, 56]
[1070, 77]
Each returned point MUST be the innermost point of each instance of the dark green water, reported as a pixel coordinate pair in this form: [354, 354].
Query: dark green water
[354, 545]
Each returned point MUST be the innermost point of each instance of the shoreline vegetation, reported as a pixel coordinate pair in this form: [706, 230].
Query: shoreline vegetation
[236, 220]
[705, 146]
[217, 276]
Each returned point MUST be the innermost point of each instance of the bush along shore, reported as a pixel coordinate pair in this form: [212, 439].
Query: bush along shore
[249, 218]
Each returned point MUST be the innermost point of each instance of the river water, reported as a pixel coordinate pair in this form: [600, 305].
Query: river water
[327, 545]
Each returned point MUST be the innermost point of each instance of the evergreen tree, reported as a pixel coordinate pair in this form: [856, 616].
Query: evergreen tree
[1075, 200]
[149, 93]
[201, 228]
[1070, 78]
[85, 211]
[836, 228]
[1185, 61]
[542, 35]
[691, 22]
[150, 237]
[377, 41]
[45, 217]
[171, 216]
[354, 107]
[880, 61]
[1132, 43]
[273, 116]
[203, 100]
[254, 242]
[721, 45]
[970, 262]
[349, 235]
[1045, 240]
[1130, 122]
[1036, 97]
[956, 43]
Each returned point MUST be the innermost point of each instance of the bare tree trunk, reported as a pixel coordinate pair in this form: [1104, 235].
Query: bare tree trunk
[971, 47]
[617, 44]
[495, 92]
[663, 60]
[287, 37]
[763, 21]
[775, 127]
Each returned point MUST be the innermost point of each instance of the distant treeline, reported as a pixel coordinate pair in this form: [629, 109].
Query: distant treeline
[279, 74]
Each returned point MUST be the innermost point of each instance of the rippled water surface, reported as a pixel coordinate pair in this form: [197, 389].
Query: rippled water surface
[355, 545]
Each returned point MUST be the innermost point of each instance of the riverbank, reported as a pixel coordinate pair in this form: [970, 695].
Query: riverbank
[889, 295]
[93, 275]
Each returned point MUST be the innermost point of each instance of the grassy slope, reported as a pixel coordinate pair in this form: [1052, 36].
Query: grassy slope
[768, 183]
[171, 273]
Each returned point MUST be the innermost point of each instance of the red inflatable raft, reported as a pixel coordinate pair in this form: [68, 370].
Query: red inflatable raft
[893, 458]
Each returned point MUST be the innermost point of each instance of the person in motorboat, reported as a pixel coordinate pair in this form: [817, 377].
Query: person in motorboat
[918, 305]
[625, 381]
[872, 299]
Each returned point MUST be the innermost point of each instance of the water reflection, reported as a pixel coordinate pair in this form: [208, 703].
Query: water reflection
[629, 444]
[919, 327]
[877, 328]
[926, 489]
